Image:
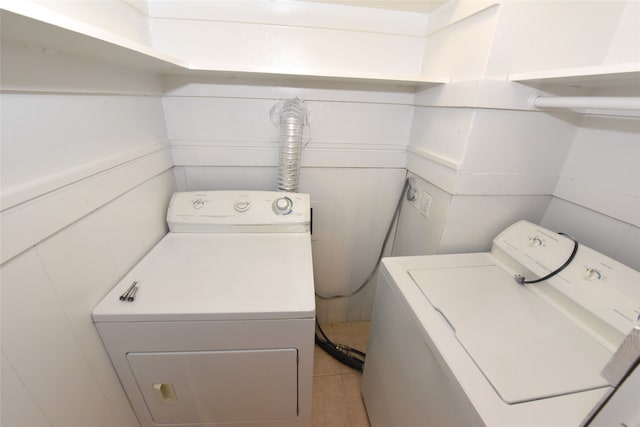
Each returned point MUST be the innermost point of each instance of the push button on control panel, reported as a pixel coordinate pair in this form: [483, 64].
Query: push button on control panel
[198, 203]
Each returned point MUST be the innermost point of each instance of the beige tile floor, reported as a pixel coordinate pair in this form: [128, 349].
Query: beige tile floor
[336, 388]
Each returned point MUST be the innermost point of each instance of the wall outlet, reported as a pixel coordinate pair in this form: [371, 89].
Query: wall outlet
[425, 204]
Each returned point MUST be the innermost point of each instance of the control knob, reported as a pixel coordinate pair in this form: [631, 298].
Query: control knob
[282, 206]
[535, 241]
[592, 274]
[242, 205]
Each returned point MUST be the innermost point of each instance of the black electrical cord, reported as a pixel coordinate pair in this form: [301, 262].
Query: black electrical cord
[396, 213]
[340, 352]
[352, 350]
[520, 279]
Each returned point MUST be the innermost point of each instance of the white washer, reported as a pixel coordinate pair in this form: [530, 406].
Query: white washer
[456, 341]
[221, 328]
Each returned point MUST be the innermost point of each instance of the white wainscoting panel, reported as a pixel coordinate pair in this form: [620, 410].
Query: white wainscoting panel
[352, 211]
[195, 178]
[18, 406]
[41, 346]
[28, 223]
[48, 293]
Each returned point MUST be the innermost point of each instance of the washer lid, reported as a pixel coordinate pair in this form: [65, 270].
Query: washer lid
[193, 276]
[524, 347]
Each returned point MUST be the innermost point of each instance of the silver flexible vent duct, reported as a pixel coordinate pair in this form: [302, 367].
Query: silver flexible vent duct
[290, 117]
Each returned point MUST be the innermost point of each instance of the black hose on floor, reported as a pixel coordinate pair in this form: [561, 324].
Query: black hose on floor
[343, 353]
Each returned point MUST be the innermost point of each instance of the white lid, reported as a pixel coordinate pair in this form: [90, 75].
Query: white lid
[218, 276]
[525, 348]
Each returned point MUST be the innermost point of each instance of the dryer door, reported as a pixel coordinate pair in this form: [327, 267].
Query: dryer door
[218, 386]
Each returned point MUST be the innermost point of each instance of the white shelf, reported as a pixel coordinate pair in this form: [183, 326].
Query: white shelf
[41, 28]
[594, 77]
[29, 24]
[38, 27]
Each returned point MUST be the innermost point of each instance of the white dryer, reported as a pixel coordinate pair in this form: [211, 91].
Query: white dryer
[218, 328]
[456, 340]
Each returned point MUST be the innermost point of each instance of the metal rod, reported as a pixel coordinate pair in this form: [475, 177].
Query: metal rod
[132, 294]
[126, 293]
[594, 102]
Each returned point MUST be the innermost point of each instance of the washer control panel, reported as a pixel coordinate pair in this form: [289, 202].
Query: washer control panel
[255, 211]
[592, 281]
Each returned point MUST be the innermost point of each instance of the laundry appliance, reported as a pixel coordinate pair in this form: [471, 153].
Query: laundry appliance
[215, 326]
[465, 339]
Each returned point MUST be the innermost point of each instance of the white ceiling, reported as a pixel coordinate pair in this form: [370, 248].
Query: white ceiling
[421, 6]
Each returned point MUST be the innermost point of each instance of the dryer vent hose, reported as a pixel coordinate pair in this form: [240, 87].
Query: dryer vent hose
[290, 117]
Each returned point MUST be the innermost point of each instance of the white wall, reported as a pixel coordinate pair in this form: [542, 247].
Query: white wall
[598, 197]
[107, 125]
[459, 39]
[479, 141]
[86, 177]
[553, 36]
[601, 170]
